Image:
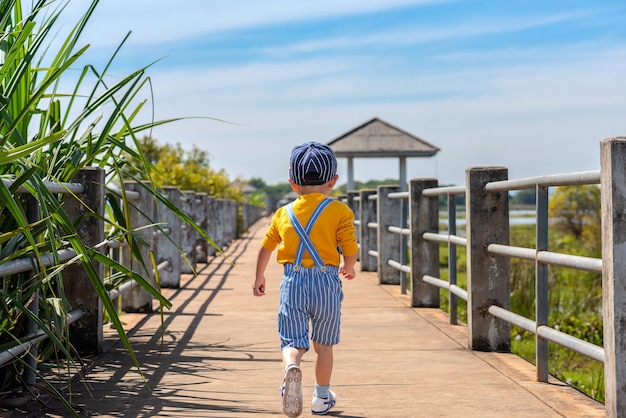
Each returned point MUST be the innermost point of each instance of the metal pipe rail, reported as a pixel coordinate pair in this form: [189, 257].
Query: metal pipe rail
[398, 195]
[130, 194]
[131, 284]
[223, 219]
[590, 264]
[53, 187]
[401, 267]
[445, 239]
[22, 265]
[550, 334]
[445, 191]
[543, 258]
[33, 339]
[28, 263]
[400, 231]
[453, 241]
[403, 232]
[488, 228]
[452, 288]
[567, 179]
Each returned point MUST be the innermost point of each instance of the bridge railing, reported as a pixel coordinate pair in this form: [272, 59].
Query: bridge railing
[382, 225]
[171, 241]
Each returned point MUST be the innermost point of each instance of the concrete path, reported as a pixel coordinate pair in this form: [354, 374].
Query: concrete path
[218, 357]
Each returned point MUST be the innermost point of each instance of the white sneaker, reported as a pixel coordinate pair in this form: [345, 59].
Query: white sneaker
[292, 391]
[320, 406]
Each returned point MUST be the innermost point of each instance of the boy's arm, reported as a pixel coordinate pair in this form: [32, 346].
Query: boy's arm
[261, 263]
[347, 267]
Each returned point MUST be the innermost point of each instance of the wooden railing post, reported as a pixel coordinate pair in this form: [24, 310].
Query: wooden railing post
[241, 219]
[368, 236]
[87, 213]
[424, 217]
[141, 215]
[613, 184]
[487, 276]
[168, 247]
[219, 215]
[389, 214]
[201, 216]
[188, 234]
[353, 204]
[211, 225]
[232, 220]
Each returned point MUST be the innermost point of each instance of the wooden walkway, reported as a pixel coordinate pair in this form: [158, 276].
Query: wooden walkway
[218, 357]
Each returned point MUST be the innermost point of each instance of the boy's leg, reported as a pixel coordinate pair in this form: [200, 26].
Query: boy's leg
[323, 363]
[292, 384]
[292, 355]
[323, 398]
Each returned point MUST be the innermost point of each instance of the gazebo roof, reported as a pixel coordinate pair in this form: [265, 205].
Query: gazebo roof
[377, 138]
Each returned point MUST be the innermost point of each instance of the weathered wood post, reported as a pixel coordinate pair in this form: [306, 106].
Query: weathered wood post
[242, 218]
[247, 217]
[212, 225]
[188, 234]
[233, 217]
[141, 215]
[487, 276]
[424, 217]
[219, 216]
[389, 213]
[87, 213]
[369, 236]
[613, 185]
[352, 200]
[201, 217]
[167, 240]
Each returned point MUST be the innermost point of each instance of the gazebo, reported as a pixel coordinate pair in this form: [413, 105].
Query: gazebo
[379, 139]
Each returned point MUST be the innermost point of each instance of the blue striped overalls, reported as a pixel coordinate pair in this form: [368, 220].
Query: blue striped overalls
[309, 293]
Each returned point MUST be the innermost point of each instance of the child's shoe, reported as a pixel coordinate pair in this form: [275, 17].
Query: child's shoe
[292, 391]
[320, 406]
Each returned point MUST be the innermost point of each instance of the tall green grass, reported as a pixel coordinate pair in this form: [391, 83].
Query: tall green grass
[52, 124]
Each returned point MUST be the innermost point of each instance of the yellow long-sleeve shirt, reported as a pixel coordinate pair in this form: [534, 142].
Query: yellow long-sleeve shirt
[333, 228]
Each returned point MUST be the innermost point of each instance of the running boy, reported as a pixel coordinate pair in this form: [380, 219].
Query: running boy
[308, 233]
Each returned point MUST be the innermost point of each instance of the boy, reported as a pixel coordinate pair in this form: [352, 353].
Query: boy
[308, 233]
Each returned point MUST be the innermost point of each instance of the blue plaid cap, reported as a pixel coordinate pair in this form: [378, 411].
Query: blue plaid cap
[312, 164]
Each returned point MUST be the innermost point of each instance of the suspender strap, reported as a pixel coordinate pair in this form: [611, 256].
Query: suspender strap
[303, 233]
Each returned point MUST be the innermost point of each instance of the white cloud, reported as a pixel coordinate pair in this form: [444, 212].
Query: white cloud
[536, 120]
[418, 33]
[157, 21]
[537, 109]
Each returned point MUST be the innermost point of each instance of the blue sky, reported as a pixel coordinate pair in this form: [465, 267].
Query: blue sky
[530, 85]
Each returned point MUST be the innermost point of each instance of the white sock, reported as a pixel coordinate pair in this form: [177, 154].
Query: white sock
[321, 391]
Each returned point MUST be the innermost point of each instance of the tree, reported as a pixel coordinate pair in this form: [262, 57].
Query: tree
[575, 210]
[524, 197]
[174, 166]
[257, 183]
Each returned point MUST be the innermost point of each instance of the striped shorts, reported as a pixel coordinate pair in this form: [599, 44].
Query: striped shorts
[309, 294]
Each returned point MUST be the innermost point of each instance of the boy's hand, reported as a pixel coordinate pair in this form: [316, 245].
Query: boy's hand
[259, 286]
[348, 273]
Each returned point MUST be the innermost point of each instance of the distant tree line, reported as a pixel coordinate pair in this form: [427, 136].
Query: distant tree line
[171, 165]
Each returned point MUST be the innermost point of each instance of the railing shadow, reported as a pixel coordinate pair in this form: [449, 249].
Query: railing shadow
[113, 386]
